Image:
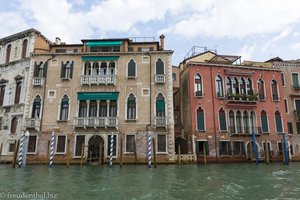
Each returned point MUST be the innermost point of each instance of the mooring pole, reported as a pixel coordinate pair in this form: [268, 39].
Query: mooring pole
[149, 149]
[48, 152]
[121, 152]
[100, 152]
[179, 156]
[251, 151]
[82, 153]
[286, 155]
[1, 151]
[68, 153]
[135, 152]
[267, 152]
[15, 153]
[255, 148]
[154, 152]
[204, 153]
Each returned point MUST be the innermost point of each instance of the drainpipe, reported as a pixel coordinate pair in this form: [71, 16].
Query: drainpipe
[213, 107]
[150, 102]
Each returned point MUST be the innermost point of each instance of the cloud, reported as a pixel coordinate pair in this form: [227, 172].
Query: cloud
[248, 51]
[238, 19]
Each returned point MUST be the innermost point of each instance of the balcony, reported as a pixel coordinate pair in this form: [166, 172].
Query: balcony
[159, 78]
[32, 123]
[160, 121]
[244, 131]
[241, 100]
[96, 122]
[296, 86]
[98, 80]
[36, 81]
[297, 114]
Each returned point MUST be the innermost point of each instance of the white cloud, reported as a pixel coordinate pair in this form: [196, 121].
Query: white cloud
[247, 52]
[11, 23]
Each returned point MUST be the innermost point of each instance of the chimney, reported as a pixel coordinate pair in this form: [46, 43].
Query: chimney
[162, 42]
[57, 40]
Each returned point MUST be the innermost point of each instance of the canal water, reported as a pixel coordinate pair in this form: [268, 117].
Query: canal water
[212, 181]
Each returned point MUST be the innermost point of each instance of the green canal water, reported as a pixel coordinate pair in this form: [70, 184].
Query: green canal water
[212, 181]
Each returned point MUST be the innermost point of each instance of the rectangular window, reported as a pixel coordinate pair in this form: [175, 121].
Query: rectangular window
[298, 127]
[32, 144]
[238, 148]
[295, 80]
[2, 93]
[1, 123]
[11, 147]
[279, 146]
[200, 148]
[61, 144]
[292, 150]
[130, 49]
[51, 93]
[161, 143]
[114, 145]
[145, 59]
[286, 106]
[282, 79]
[130, 144]
[18, 92]
[290, 127]
[225, 148]
[80, 139]
[145, 92]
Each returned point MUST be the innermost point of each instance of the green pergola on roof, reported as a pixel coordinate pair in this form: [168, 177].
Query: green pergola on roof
[105, 58]
[104, 43]
[97, 95]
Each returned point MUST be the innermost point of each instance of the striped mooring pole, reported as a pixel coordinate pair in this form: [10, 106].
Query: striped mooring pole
[149, 149]
[51, 149]
[21, 149]
[111, 149]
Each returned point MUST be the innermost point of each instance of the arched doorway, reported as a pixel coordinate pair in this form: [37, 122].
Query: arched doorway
[249, 147]
[94, 151]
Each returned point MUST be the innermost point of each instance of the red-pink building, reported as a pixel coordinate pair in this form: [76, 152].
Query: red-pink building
[222, 103]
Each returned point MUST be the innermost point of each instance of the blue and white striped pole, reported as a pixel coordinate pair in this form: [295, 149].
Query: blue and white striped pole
[51, 149]
[111, 149]
[285, 151]
[21, 148]
[149, 149]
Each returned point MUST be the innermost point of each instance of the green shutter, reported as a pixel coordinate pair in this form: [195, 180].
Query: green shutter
[160, 105]
[36, 70]
[200, 121]
[45, 69]
[62, 70]
[97, 95]
[103, 43]
[264, 123]
[222, 120]
[100, 58]
[278, 124]
[71, 70]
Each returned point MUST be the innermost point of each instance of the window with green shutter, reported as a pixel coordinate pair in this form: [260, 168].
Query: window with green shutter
[264, 122]
[200, 119]
[222, 120]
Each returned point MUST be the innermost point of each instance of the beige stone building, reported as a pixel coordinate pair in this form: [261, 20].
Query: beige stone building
[14, 67]
[101, 88]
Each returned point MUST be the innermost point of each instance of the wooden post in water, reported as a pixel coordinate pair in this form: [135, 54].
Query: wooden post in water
[179, 156]
[48, 153]
[282, 151]
[267, 152]
[68, 153]
[154, 151]
[1, 151]
[121, 152]
[204, 153]
[100, 152]
[135, 152]
[15, 153]
[251, 151]
[82, 153]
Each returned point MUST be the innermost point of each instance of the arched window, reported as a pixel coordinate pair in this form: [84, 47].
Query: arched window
[219, 86]
[236, 85]
[264, 122]
[113, 108]
[222, 120]
[64, 108]
[131, 107]
[246, 122]
[36, 108]
[198, 85]
[278, 121]
[249, 89]
[131, 73]
[24, 48]
[252, 121]
[261, 89]
[13, 127]
[160, 106]
[160, 67]
[67, 70]
[228, 86]
[82, 109]
[274, 89]
[231, 122]
[103, 109]
[243, 86]
[40, 70]
[8, 51]
[200, 119]
[174, 76]
[238, 122]
[18, 92]
[93, 108]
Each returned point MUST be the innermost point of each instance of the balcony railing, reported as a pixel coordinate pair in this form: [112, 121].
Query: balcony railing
[296, 86]
[160, 121]
[244, 130]
[251, 98]
[97, 80]
[32, 123]
[36, 81]
[96, 122]
[159, 78]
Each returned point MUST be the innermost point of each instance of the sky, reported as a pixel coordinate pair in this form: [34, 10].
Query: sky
[254, 29]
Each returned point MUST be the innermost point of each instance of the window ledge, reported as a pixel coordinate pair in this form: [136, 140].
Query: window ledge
[62, 120]
[263, 100]
[201, 131]
[131, 77]
[60, 153]
[131, 120]
[225, 156]
[276, 100]
[129, 153]
[65, 79]
[199, 96]
[265, 133]
[161, 153]
[223, 131]
[31, 153]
